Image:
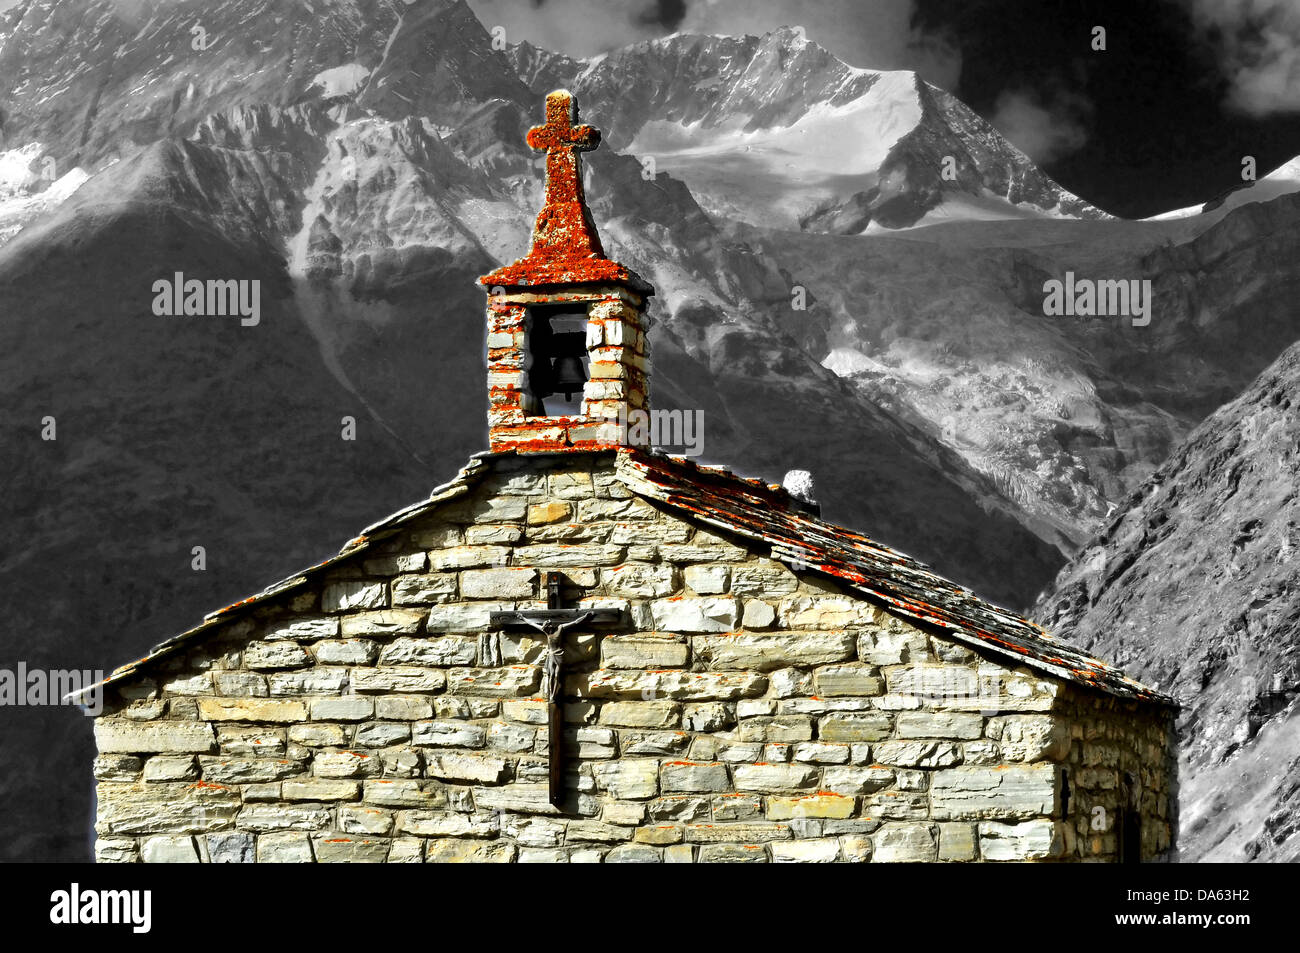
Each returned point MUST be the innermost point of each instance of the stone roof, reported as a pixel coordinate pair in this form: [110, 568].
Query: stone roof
[767, 516]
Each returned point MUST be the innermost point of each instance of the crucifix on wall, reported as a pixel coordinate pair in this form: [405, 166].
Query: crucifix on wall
[553, 622]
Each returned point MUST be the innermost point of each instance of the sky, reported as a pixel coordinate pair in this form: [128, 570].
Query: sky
[1162, 117]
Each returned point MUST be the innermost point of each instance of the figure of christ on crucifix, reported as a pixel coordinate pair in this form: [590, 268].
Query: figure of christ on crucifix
[553, 622]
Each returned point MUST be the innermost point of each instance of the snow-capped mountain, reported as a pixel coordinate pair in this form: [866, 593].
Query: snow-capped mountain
[776, 131]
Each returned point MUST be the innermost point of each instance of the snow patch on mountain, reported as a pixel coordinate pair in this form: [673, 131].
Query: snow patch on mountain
[20, 198]
[777, 174]
[341, 80]
[849, 361]
[986, 207]
[15, 168]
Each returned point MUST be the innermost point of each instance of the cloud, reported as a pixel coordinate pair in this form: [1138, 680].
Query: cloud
[581, 27]
[878, 35]
[1257, 44]
[1044, 126]
[665, 13]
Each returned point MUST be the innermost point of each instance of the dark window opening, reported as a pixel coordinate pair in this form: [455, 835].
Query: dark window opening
[558, 365]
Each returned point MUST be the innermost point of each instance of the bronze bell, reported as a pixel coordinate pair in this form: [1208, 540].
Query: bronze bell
[567, 375]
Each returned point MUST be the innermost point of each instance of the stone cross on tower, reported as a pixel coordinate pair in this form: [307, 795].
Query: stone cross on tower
[566, 247]
[563, 227]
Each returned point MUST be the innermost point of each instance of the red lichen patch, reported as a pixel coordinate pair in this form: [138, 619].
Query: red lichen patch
[233, 606]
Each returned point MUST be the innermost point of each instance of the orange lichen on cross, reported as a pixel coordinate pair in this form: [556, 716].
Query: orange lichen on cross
[564, 224]
[566, 247]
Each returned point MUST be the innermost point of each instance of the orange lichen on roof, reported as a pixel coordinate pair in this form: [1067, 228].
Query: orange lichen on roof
[234, 605]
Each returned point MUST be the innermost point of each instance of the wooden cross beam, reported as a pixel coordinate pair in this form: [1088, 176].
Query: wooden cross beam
[553, 622]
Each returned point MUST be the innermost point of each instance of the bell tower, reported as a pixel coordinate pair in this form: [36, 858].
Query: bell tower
[566, 343]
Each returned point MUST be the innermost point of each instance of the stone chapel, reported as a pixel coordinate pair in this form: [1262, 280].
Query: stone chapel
[584, 650]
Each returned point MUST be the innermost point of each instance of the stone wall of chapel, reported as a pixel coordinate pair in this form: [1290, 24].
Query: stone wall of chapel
[743, 712]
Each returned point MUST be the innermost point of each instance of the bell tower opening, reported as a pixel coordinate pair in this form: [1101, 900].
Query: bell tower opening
[556, 359]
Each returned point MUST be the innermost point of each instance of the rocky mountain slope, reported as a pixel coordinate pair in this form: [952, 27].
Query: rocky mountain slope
[945, 327]
[1195, 586]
